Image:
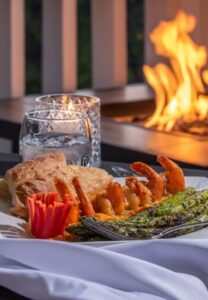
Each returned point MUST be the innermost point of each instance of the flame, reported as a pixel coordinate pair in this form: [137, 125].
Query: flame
[180, 86]
[70, 106]
[66, 103]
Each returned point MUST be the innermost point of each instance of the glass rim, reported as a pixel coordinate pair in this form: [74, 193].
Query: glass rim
[39, 99]
[81, 115]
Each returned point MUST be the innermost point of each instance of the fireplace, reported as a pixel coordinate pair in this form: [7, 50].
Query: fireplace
[175, 121]
[180, 84]
[190, 150]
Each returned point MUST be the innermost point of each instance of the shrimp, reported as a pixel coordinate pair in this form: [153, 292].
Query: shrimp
[175, 181]
[142, 192]
[84, 202]
[63, 189]
[155, 182]
[116, 196]
[103, 205]
[132, 200]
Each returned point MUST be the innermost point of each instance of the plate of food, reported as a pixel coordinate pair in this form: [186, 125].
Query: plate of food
[46, 199]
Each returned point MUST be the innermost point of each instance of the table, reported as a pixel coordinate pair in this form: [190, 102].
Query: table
[9, 160]
[120, 142]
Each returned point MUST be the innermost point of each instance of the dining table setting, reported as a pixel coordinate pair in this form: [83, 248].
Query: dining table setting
[75, 227]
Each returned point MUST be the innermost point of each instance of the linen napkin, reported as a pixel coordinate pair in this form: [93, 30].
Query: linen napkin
[153, 270]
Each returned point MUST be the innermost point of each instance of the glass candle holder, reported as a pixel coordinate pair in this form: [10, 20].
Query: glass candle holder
[56, 130]
[81, 103]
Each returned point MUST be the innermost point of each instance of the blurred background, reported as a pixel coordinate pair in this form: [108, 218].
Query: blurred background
[101, 48]
[135, 40]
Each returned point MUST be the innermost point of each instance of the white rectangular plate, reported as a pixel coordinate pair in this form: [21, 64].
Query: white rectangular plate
[197, 182]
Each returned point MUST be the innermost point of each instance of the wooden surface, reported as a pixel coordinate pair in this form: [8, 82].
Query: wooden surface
[59, 46]
[13, 109]
[183, 148]
[12, 50]
[109, 43]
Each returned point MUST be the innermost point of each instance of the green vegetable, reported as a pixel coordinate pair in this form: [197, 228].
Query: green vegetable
[186, 206]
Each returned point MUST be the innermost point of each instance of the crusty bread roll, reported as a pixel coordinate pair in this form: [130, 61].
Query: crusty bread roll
[37, 175]
[34, 176]
[92, 180]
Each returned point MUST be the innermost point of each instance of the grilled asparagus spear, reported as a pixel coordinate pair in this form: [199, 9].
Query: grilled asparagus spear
[181, 208]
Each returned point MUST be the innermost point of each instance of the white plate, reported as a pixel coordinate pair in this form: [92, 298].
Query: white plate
[197, 182]
[194, 181]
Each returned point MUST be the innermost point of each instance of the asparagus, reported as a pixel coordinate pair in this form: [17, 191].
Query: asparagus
[186, 206]
[195, 206]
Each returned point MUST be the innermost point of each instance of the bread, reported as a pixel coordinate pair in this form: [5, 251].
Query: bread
[37, 175]
[34, 176]
[93, 180]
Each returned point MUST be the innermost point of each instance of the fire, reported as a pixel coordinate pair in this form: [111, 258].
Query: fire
[70, 106]
[179, 87]
[66, 103]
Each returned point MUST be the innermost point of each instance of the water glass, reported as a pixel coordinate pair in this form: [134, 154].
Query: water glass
[81, 103]
[56, 130]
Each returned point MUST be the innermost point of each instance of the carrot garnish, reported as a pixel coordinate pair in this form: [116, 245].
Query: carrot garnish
[48, 214]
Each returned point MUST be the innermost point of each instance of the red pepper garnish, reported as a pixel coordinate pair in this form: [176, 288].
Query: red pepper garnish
[48, 214]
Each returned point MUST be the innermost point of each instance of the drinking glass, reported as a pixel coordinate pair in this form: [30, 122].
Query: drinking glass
[56, 130]
[81, 103]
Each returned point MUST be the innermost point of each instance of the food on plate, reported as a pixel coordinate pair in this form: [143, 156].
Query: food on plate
[4, 192]
[93, 180]
[63, 189]
[48, 214]
[34, 176]
[174, 178]
[85, 205]
[186, 206]
[37, 175]
[170, 181]
[115, 194]
[155, 181]
[55, 196]
[139, 189]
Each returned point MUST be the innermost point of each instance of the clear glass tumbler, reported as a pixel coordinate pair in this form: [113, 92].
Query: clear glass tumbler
[56, 130]
[81, 103]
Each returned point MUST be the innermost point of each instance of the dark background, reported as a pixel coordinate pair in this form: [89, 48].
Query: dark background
[135, 34]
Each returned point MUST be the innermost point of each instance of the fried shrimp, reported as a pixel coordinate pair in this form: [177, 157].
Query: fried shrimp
[140, 190]
[116, 196]
[103, 205]
[132, 200]
[63, 189]
[175, 181]
[85, 204]
[155, 182]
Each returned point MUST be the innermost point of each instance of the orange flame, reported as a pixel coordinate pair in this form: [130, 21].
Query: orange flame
[66, 104]
[70, 106]
[180, 87]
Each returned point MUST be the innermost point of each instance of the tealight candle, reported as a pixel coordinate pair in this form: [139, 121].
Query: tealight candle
[81, 103]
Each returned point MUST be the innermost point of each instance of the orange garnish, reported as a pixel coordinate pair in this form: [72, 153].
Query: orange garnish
[48, 214]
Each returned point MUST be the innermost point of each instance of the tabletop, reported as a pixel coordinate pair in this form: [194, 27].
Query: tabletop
[9, 160]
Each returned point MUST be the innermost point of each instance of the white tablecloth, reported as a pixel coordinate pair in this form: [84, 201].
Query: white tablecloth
[160, 269]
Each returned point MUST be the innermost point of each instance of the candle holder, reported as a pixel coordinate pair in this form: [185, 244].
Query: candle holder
[81, 103]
